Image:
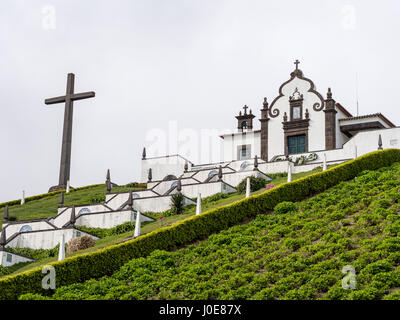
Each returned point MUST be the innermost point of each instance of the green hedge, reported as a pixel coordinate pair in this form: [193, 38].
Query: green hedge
[108, 260]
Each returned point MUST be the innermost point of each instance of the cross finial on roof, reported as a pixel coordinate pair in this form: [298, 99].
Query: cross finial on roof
[297, 63]
[245, 109]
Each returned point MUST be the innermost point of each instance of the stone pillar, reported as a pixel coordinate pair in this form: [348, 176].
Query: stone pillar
[380, 142]
[108, 181]
[3, 239]
[137, 225]
[330, 122]
[198, 205]
[73, 217]
[247, 187]
[289, 172]
[324, 163]
[61, 202]
[61, 250]
[264, 130]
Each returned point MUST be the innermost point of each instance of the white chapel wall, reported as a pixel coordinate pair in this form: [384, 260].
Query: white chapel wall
[316, 131]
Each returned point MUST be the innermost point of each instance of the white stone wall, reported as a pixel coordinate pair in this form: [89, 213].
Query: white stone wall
[108, 220]
[232, 142]
[316, 131]
[341, 138]
[163, 166]
[206, 189]
[95, 207]
[44, 239]
[158, 204]
[203, 174]
[64, 217]
[163, 186]
[14, 227]
[118, 200]
[209, 166]
[273, 167]
[145, 204]
[142, 194]
[234, 179]
[65, 214]
[15, 258]
[368, 141]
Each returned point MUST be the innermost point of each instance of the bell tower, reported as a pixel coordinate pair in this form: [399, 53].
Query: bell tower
[245, 120]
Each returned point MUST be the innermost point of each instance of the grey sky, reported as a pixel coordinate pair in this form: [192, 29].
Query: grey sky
[197, 62]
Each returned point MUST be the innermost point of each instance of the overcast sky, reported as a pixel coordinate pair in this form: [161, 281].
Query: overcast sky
[154, 62]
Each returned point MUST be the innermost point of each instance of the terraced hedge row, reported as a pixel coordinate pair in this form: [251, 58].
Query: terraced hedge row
[108, 260]
[296, 252]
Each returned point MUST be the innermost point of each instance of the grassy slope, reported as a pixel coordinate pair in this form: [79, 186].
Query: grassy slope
[293, 255]
[47, 207]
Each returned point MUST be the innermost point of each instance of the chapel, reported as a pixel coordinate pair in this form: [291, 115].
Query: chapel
[298, 120]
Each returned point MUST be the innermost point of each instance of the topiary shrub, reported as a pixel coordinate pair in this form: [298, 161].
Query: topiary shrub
[79, 244]
[255, 184]
[285, 207]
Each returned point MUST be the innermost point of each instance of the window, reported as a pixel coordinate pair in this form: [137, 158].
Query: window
[244, 125]
[78, 234]
[244, 152]
[296, 144]
[296, 112]
[9, 257]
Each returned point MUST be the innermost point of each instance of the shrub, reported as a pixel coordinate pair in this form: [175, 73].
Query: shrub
[216, 197]
[177, 202]
[255, 184]
[80, 243]
[8, 270]
[136, 185]
[35, 253]
[285, 207]
[97, 199]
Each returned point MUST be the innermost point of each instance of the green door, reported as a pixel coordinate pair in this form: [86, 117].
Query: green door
[296, 144]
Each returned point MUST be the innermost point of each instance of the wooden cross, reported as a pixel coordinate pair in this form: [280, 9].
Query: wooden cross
[245, 109]
[69, 99]
[297, 63]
